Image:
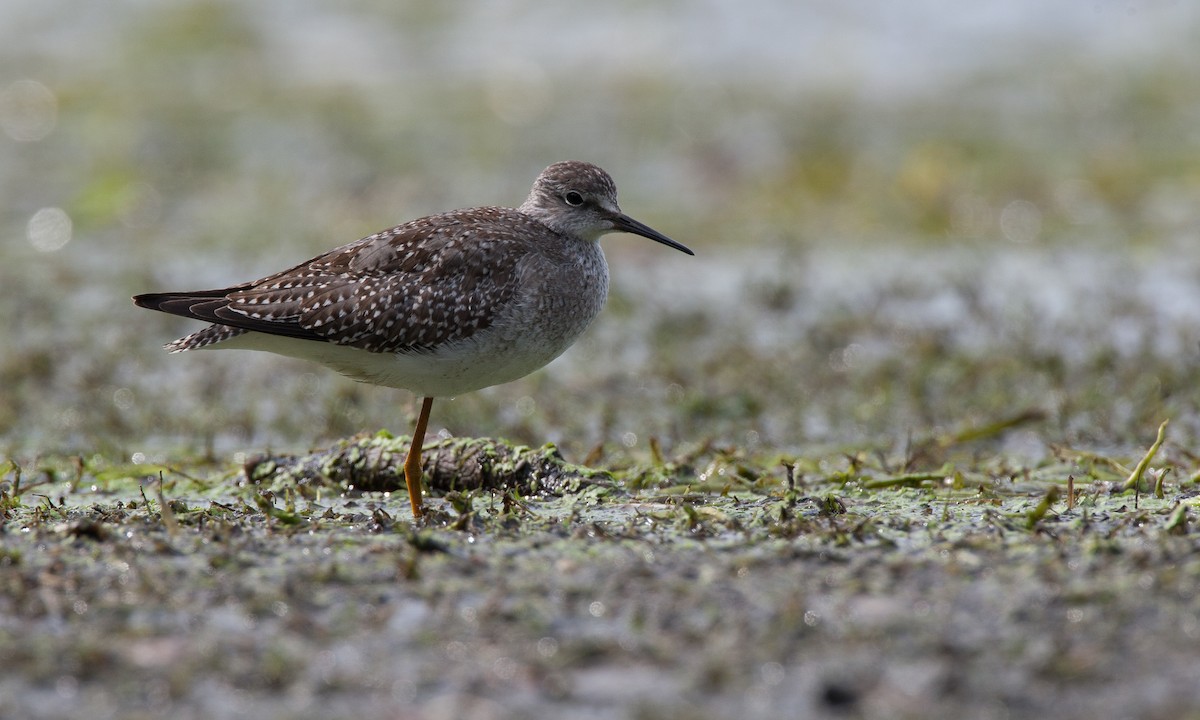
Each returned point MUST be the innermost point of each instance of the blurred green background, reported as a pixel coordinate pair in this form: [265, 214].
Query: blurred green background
[906, 218]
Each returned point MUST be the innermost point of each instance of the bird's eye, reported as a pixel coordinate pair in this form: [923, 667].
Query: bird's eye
[573, 198]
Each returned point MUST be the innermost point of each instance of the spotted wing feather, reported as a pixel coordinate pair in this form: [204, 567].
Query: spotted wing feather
[417, 286]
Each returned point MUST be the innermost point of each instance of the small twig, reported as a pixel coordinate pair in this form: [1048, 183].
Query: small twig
[164, 509]
[790, 468]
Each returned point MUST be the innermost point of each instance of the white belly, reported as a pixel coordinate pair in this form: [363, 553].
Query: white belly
[447, 372]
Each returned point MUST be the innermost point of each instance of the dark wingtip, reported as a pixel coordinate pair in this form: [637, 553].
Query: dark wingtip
[174, 303]
[193, 304]
[146, 301]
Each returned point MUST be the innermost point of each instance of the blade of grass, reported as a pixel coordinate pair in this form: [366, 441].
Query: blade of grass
[1135, 477]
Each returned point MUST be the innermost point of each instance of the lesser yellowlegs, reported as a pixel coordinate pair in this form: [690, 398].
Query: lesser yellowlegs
[440, 306]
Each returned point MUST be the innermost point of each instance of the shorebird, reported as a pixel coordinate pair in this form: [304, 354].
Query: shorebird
[440, 306]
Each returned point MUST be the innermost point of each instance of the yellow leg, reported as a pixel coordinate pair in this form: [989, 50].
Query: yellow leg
[412, 464]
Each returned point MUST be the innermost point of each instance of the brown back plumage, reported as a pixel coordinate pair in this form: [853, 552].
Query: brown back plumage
[430, 282]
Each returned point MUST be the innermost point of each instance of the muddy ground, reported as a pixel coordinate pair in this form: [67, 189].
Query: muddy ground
[853, 591]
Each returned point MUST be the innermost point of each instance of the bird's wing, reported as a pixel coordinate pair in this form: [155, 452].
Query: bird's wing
[433, 281]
